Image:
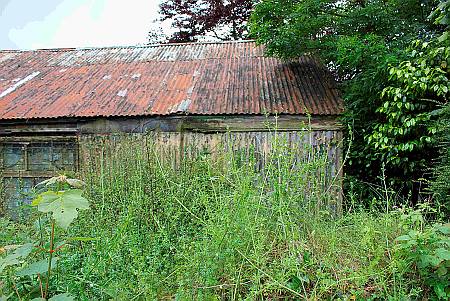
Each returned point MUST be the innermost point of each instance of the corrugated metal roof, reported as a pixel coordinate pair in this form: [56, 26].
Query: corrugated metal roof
[192, 78]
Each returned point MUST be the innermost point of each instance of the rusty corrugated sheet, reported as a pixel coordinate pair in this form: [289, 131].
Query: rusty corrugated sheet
[196, 78]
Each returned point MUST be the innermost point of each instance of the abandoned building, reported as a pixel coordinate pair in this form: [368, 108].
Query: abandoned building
[192, 93]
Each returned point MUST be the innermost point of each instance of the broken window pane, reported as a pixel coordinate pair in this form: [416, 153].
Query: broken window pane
[14, 156]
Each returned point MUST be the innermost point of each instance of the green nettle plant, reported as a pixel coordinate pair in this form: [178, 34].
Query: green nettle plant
[58, 202]
[425, 251]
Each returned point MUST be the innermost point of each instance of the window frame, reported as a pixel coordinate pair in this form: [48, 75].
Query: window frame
[27, 140]
[33, 175]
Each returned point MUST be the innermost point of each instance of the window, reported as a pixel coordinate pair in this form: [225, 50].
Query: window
[27, 161]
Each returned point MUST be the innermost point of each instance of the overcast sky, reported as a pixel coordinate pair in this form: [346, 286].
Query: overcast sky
[33, 24]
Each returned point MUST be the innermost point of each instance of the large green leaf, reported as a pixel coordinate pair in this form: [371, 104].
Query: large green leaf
[8, 261]
[444, 229]
[63, 205]
[443, 254]
[24, 250]
[39, 267]
[403, 238]
[13, 258]
[62, 297]
[45, 197]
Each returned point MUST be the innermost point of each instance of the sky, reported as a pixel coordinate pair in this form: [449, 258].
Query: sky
[36, 24]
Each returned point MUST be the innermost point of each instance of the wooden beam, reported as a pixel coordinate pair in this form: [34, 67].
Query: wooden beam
[31, 138]
[259, 124]
[203, 124]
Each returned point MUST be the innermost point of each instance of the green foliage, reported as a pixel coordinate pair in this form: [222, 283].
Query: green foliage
[38, 267]
[425, 252]
[63, 205]
[62, 297]
[201, 226]
[59, 297]
[213, 227]
[440, 185]
[390, 88]
[441, 17]
[292, 28]
[163, 214]
[59, 198]
[419, 86]
[13, 258]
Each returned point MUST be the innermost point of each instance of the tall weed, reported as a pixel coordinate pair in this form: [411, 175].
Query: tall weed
[229, 224]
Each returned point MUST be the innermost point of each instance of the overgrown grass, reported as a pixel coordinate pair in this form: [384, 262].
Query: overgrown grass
[214, 227]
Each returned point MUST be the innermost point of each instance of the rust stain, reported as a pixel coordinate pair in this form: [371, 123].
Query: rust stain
[196, 78]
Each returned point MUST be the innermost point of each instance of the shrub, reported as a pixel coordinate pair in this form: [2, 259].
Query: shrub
[425, 252]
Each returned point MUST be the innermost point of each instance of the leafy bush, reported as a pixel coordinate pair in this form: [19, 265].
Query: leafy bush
[59, 198]
[425, 251]
[418, 87]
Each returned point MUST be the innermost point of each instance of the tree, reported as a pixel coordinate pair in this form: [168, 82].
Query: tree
[367, 44]
[218, 19]
[418, 88]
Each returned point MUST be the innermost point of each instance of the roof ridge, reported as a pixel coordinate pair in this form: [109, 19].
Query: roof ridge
[124, 46]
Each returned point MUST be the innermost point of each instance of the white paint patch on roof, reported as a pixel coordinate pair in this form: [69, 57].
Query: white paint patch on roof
[184, 105]
[19, 83]
[122, 93]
